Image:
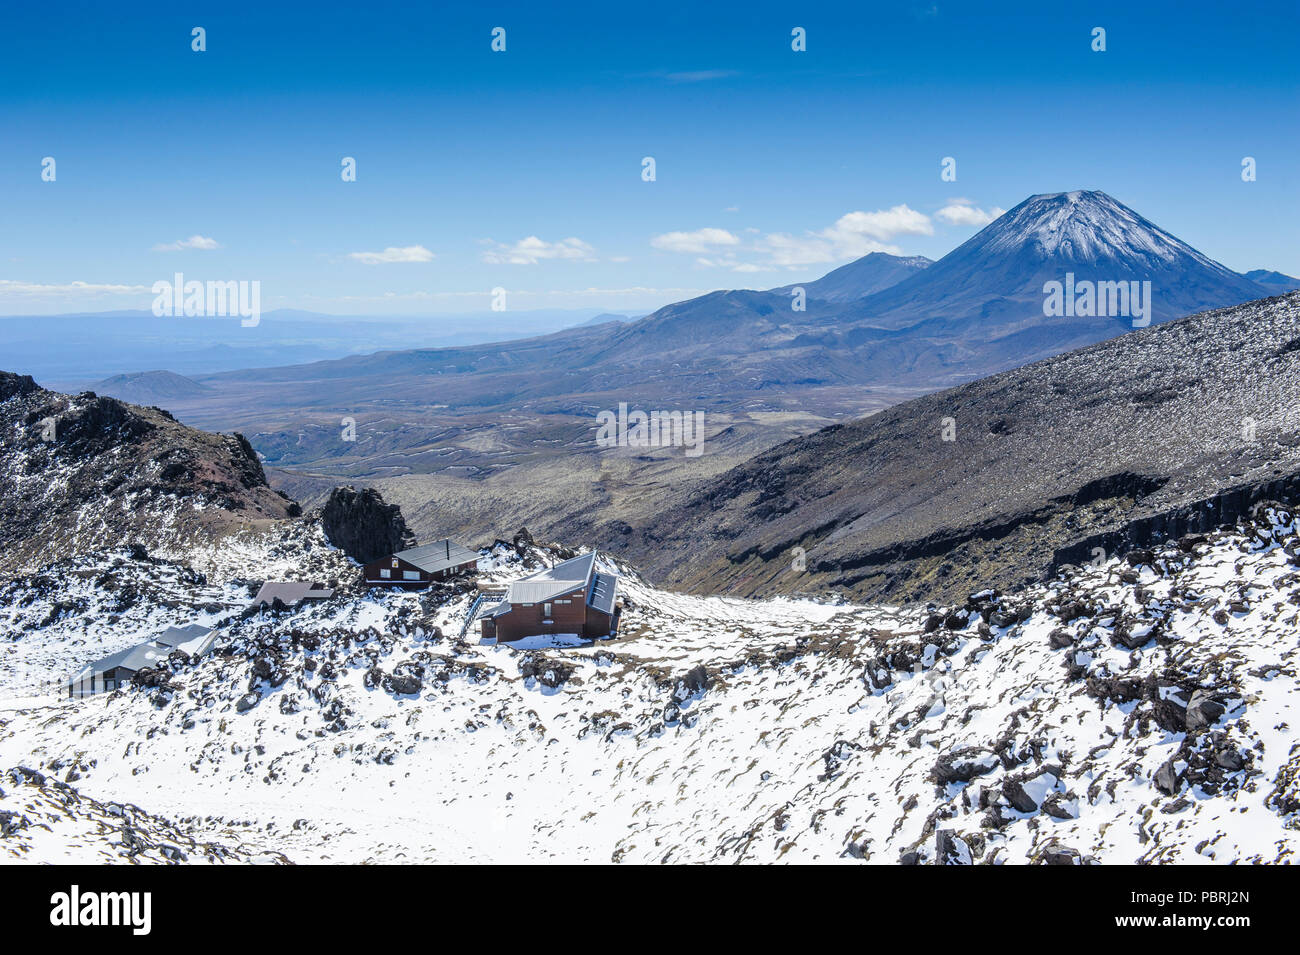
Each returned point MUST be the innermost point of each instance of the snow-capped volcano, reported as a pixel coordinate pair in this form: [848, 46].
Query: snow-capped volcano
[992, 287]
[1086, 228]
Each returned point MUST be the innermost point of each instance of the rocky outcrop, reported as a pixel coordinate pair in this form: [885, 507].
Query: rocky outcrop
[363, 526]
[12, 385]
[82, 472]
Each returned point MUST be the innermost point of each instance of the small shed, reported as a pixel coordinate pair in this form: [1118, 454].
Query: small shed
[421, 566]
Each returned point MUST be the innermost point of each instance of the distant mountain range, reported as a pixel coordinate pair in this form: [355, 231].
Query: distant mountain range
[880, 320]
[979, 309]
[1275, 280]
[75, 349]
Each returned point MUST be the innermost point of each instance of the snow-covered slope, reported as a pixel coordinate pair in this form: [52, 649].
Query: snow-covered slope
[1087, 227]
[43, 819]
[1134, 711]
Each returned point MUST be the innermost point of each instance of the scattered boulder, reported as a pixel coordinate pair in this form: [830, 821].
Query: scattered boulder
[950, 849]
[962, 766]
[549, 672]
[1060, 855]
[1060, 638]
[696, 680]
[1203, 710]
[1168, 778]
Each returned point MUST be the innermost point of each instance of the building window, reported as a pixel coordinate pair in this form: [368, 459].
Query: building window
[385, 573]
[546, 610]
[410, 575]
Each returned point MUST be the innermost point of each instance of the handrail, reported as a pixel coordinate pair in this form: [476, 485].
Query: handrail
[474, 608]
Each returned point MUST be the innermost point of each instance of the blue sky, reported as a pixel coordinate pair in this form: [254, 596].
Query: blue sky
[771, 165]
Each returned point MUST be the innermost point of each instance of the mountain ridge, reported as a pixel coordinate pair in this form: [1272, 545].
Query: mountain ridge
[141, 472]
[978, 297]
[1044, 459]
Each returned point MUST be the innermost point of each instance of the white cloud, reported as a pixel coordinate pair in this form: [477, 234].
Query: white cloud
[700, 76]
[851, 236]
[13, 287]
[409, 253]
[532, 250]
[783, 249]
[699, 242]
[964, 212]
[731, 263]
[193, 242]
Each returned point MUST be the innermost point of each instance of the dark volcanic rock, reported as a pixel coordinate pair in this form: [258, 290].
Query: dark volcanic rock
[1203, 710]
[1059, 855]
[11, 385]
[962, 766]
[950, 849]
[361, 525]
[1167, 778]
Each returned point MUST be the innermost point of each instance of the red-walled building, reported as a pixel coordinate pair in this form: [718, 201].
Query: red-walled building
[570, 598]
[420, 566]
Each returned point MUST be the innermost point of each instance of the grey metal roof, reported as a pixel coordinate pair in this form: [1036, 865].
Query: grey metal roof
[175, 636]
[496, 610]
[563, 578]
[603, 591]
[290, 592]
[194, 639]
[537, 591]
[132, 658]
[440, 555]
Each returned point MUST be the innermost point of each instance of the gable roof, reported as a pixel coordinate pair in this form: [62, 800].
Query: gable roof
[193, 639]
[132, 658]
[179, 636]
[563, 578]
[290, 592]
[438, 556]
